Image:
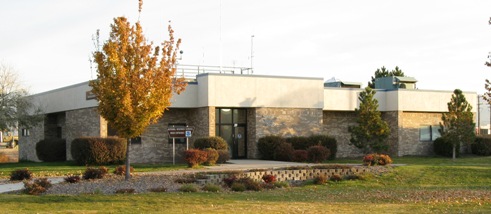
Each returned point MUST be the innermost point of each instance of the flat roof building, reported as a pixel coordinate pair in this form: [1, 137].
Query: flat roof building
[244, 108]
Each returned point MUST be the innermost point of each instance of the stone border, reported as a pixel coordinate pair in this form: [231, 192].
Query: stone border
[306, 173]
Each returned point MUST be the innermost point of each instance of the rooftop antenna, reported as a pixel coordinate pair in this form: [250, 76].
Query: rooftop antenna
[252, 52]
[221, 36]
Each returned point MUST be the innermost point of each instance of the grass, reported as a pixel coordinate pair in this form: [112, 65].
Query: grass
[425, 185]
[50, 169]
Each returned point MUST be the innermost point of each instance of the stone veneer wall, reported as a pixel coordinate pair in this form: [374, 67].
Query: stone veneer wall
[83, 123]
[409, 143]
[336, 125]
[27, 144]
[284, 122]
[251, 134]
[156, 147]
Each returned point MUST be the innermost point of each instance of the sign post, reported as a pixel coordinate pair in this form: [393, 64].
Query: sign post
[179, 132]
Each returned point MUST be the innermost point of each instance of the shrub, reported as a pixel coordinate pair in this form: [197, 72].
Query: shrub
[37, 187]
[211, 188]
[223, 156]
[250, 184]
[213, 142]
[20, 174]
[229, 181]
[300, 156]
[238, 187]
[266, 146]
[443, 147]
[370, 160]
[482, 146]
[121, 170]
[336, 178]
[72, 179]
[195, 157]
[188, 188]
[376, 159]
[125, 191]
[317, 154]
[211, 156]
[51, 150]
[326, 141]
[95, 173]
[158, 189]
[321, 179]
[269, 178]
[299, 142]
[384, 160]
[98, 151]
[283, 152]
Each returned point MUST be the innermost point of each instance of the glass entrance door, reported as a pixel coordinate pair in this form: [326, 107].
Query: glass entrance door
[240, 145]
[231, 126]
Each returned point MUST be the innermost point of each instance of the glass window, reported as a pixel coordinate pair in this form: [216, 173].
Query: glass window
[136, 140]
[240, 116]
[429, 133]
[425, 133]
[435, 132]
[225, 116]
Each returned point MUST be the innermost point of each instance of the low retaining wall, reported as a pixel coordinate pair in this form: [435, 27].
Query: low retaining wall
[288, 174]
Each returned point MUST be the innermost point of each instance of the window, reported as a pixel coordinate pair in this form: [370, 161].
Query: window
[429, 132]
[136, 140]
[177, 140]
[25, 132]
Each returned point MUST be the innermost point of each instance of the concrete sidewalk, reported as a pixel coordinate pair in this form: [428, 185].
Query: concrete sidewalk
[20, 185]
[230, 165]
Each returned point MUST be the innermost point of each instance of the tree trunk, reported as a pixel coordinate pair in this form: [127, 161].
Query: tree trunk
[127, 175]
[453, 152]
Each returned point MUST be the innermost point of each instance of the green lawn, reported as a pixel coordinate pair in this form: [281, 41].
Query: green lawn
[424, 185]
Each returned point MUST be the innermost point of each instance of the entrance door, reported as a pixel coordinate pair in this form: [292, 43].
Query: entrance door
[240, 142]
[231, 126]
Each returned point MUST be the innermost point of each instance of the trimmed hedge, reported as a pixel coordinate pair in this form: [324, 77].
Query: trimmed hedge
[482, 146]
[267, 146]
[283, 152]
[443, 147]
[98, 151]
[326, 141]
[213, 142]
[51, 150]
[317, 154]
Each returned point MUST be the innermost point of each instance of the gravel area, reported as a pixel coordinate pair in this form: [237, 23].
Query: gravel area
[141, 183]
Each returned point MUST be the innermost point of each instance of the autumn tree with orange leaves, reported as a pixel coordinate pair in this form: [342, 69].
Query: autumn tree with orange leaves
[135, 79]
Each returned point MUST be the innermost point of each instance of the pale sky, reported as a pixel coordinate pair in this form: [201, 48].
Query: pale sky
[443, 44]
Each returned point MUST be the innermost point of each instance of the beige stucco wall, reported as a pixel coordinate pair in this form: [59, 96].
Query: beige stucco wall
[64, 99]
[222, 90]
[346, 99]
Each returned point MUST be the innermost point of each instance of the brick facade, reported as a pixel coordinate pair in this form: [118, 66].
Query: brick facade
[336, 125]
[83, 123]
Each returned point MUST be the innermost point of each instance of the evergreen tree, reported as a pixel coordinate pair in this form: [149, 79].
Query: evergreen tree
[372, 132]
[458, 123]
[383, 72]
[135, 81]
